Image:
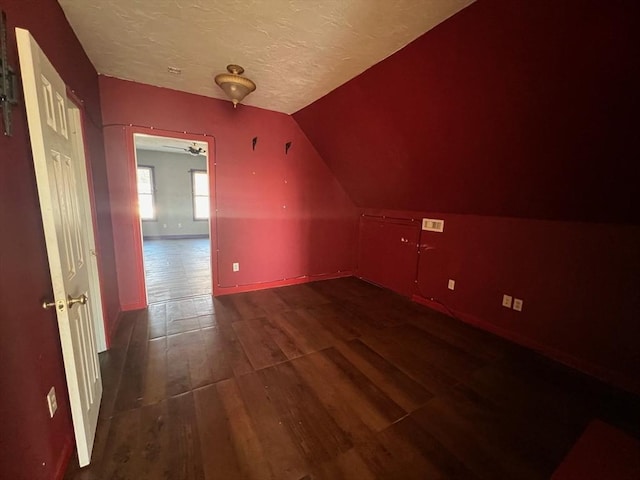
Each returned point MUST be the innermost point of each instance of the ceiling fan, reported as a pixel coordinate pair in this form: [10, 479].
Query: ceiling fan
[191, 149]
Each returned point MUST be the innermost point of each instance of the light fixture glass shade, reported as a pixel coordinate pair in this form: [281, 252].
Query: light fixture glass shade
[235, 86]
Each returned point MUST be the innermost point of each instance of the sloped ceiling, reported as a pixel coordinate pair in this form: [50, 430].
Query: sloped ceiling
[296, 51]
[509, 108]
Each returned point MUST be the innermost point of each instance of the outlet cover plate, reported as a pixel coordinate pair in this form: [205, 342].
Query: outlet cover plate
[506, 301]
[52, 402]
[236, 267]
[517, 304]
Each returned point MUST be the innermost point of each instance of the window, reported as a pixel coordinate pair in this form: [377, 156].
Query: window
[200, 182]
[146, 193]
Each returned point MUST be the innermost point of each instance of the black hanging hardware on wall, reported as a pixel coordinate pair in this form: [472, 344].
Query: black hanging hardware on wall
[287, 146]
[7, 79]
[253, 142]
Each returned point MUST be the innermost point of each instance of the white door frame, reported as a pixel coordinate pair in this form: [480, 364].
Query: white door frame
[131, 133]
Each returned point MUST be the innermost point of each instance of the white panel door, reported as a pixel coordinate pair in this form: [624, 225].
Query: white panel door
[59, 170]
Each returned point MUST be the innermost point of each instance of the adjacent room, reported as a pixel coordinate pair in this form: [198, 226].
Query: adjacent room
[302, 240]
[173, 198]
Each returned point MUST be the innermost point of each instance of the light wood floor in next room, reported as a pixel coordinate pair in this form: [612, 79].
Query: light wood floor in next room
[332, 380]
[176, 268]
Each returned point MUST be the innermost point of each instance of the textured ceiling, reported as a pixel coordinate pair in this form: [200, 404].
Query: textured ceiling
[295, 50]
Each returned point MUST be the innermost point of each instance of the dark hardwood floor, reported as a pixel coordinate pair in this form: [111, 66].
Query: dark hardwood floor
[177, 268]
[336, 379]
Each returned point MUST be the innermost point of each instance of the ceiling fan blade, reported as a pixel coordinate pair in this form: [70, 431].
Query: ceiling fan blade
[179, 148]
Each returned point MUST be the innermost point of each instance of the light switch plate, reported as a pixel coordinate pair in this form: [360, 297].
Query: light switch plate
[451, 285]
[236, 267]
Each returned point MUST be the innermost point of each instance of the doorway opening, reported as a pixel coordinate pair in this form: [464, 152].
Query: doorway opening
[174, 209]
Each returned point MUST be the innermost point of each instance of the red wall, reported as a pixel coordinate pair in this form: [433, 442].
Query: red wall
[280, 216]
[31, 444]
[509, 108]
[516, 119]
[579, 281]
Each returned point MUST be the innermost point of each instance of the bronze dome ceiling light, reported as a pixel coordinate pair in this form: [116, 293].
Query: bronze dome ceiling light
[234, 85]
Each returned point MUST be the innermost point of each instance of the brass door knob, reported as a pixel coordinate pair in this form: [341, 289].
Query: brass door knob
[82, 300]
[71, 301]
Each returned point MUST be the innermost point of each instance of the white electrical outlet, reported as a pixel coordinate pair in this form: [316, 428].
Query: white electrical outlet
[506, 301]
[52, 402]
[451, 285]
[517, 304]
[236, 267]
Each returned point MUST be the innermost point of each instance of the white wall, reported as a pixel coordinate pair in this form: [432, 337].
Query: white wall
[174, 205]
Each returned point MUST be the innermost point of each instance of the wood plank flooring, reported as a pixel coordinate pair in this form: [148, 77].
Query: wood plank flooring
[333, 380]
[177, 268]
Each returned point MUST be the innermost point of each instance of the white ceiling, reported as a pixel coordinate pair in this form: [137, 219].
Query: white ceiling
[296, 51]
